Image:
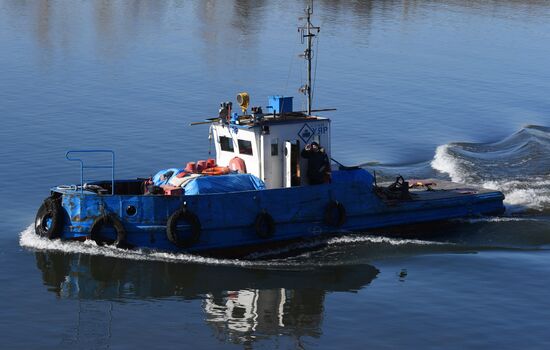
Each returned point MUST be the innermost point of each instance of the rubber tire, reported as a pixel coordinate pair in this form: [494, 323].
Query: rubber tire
[172, 228]
[110, 219]
[329, 217]
[50, 208]
[264, 225]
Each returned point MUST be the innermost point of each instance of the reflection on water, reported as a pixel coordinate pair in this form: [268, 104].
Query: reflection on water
[240, 304]
[242, 315]
[62, 24]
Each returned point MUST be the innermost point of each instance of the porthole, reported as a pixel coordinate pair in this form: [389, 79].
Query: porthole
[131, 210]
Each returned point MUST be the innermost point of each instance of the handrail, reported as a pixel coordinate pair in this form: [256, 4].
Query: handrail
[82, 166]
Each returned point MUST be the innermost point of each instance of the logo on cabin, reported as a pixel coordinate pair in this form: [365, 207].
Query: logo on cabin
[305, 133]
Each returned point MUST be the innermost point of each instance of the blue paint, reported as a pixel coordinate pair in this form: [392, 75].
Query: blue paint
[279, 104]
[227, 219]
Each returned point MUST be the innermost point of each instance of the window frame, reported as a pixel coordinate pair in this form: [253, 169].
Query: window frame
[226, 144]
[245, 146]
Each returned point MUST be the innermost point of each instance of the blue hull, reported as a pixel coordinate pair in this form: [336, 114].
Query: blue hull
[229, 220]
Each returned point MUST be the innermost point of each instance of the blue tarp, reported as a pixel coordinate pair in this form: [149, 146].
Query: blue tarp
[156, 179]
[354, 175]
[224, 183]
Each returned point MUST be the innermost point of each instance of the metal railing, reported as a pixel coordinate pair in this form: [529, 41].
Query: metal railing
[83, 166]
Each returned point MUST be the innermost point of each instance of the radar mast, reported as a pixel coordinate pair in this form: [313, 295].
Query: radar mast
[307, 33]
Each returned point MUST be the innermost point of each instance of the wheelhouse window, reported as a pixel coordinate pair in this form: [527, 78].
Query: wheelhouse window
[245, 147]
[226, 144]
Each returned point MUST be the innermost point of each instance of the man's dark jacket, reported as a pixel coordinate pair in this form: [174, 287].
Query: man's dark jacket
[317, 165]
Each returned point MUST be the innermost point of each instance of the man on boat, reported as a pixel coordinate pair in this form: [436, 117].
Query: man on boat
[318, 165]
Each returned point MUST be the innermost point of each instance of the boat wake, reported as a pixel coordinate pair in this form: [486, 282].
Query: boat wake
[518, 165]
[29, 239]
[500, 219]
[285, 257]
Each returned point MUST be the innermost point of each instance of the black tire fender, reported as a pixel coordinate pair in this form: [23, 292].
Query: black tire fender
[109, 219]
[49, 210]
[264, 225]
[335, 207]
[172, 228]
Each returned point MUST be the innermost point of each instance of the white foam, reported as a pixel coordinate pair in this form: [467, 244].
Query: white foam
[347, 239]
[531, 198]
[492, 185]
[447, 164]
[533, 194]
[29, 239]
[310, 244]
[520, 194]
[355, 238]
[494, 219]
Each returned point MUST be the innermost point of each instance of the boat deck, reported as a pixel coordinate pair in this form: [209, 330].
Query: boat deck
[434, 189]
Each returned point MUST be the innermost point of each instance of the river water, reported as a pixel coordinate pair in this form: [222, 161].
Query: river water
[449, 89]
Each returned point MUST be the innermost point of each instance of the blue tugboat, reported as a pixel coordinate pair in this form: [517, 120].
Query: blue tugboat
[271, 182]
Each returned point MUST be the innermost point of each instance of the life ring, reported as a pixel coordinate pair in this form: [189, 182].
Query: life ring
[172, 228]
[217, 170]
[335, 207]
[237, 164]
[48, 218]
[109, 219]
[264, 225]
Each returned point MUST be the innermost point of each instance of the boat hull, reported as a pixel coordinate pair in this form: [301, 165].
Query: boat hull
[229, 221]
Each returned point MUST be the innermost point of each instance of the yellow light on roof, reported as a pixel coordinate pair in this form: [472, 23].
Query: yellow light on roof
[243, 100]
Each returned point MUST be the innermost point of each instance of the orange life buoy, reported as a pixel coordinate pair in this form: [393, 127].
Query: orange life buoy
[238, 165]
[218, 170]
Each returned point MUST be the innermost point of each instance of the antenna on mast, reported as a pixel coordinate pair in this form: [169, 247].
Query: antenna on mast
[306, 32]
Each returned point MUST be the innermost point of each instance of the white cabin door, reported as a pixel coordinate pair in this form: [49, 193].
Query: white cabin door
[287, 178]
[291, 164]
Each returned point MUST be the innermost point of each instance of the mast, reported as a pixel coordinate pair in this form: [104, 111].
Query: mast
[306, 33]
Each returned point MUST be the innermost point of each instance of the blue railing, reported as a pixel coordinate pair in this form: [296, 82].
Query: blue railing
[83, 166]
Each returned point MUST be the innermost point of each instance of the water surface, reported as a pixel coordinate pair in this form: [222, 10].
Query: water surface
[447, 89]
